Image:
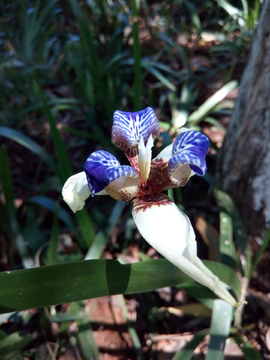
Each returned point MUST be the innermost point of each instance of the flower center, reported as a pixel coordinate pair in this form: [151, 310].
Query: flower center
[145, 157]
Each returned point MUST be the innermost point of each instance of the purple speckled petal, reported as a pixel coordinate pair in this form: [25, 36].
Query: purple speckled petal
[128, 127]
[190, 148]
[102, 168]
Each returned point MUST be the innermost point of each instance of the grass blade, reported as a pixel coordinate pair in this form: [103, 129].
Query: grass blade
[13, 343]
[29, 144]
[210, 103]
[82, 217]
[52, 249]
[80, 280]
[219, 330]
[137, 57]
[225, 204]
[61, 154]
[14, 231]
[86, 342]
[132, 332]
[6, 182]
[249, 351]
[187, 352]
[228, 252]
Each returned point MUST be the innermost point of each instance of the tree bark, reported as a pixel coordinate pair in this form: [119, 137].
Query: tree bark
[245, 162]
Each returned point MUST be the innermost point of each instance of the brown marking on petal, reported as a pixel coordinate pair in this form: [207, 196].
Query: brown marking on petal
[123, 189]
[148, 201]
[134, 162]
[160, 180]
[181, 176]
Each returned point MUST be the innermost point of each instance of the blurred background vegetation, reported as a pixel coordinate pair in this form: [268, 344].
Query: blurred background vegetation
[65, 67]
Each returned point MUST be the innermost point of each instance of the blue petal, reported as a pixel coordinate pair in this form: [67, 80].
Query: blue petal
[190, 148]
[129, 127]
[102, 168]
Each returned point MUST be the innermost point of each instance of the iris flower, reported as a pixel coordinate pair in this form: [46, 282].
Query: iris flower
[159, 220]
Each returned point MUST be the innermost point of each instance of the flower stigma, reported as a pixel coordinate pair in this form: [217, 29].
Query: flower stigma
[145, 157]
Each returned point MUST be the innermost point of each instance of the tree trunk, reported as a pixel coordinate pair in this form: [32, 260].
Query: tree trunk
[245, 164]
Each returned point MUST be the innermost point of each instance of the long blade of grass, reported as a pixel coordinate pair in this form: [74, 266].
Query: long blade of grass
[13, 343]
[58, 284]
[6, 182]
[159, 76]
[219, 329]
[225, 204]
[100, 240]
[179, 49]
[228, 252]
[88, 37]
[63, 215]
[13, 226]
[132, 332]
[28, 144]
[261, 251]
[231, 10]
[137, 56]
[52, 249]
[210, 103]
[86, 342]
[66, 170]
[247, 348]
[194, 16]
[61, 153]
[187, 351]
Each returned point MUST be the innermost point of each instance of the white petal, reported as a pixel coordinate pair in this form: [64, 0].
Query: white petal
[165, 154]
[163, 225]
[169, 231]
[75, 191]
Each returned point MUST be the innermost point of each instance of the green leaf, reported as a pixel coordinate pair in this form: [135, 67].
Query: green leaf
[228, 252]
[28, 144]
[12, 226]
[51, 205]
[187, 351]
[249, 351]
[132, 332]
[6, 182]
[12, 344]
[210, 103]
[66, 170]
[231, 10]
[226, 205]
[61, 153]
[58, 284]
[219, 330]
[227, 275]
[201, 294]
[137, 57]
[86, 342]
[52, 249]
[261, 251]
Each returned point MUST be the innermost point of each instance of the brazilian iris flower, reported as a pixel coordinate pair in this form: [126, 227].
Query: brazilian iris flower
[158, 219]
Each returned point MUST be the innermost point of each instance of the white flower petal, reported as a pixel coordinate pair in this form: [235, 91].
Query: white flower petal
[169, 231]
[165, 154]
[75, 191]
[163, 225]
